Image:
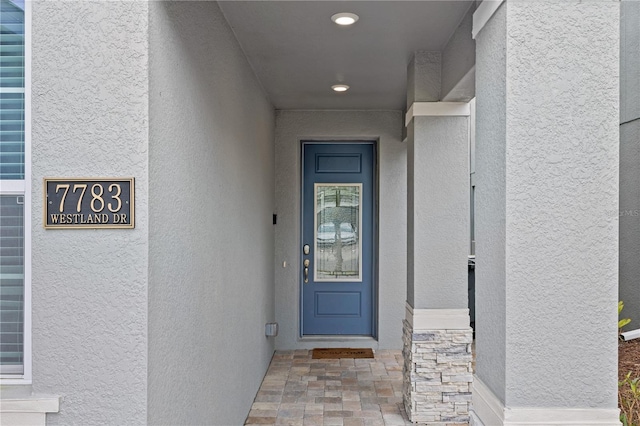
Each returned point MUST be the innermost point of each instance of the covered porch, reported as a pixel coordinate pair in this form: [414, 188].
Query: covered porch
[494, 128]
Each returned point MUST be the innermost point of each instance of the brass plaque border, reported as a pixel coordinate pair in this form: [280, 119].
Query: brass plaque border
[131, 181]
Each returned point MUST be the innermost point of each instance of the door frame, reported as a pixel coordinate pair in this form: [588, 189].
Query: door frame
[375, 238]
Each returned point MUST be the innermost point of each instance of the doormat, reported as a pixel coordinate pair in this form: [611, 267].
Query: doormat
[336, 353]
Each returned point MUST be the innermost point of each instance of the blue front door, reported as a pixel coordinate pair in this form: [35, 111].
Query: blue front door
[338, 238]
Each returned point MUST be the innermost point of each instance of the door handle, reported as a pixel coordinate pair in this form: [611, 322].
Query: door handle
[306, 270]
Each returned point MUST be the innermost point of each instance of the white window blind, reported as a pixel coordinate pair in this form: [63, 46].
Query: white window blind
[12, 170]
[12, 283]
[11, 91]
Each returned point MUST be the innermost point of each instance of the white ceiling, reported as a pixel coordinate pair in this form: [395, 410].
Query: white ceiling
[298, 53]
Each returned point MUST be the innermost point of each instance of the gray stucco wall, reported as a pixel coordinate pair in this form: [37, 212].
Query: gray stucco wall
[490, 212]
[458, 61]
[562, 184]
[386, 127]
[560, 241]
[424, 74]
[630, 161]
[438, 237]
[211, 235]
[90, 286]
[438, 177]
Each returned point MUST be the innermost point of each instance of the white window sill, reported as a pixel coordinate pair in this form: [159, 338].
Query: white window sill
[18, 406]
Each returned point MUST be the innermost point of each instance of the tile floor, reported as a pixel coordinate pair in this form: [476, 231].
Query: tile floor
[298, 390]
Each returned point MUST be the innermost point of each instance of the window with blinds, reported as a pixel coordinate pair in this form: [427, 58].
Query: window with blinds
[11, 134]
[12, 182]
[11, 91]
[11, 283]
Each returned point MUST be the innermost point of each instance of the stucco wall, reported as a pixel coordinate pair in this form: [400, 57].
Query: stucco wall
[562, 184]
[385, 126]
[630, 161]
[490, 203]
[211, 234]
[560, 169]
[90, 286]
[424, 74]
[438, 236]
[458, 61]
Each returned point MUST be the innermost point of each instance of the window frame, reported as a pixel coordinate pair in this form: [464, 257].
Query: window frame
[23, 187]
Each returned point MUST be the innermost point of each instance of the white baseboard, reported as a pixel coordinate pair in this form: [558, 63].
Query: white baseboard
[474, 420]
[486, 406]
[492, 412]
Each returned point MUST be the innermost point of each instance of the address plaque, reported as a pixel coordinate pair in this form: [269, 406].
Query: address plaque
[76, 203]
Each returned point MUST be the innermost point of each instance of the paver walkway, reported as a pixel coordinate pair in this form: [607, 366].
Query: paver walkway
[298, 390]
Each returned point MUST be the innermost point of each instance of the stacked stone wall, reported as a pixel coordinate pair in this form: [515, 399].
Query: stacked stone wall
[437, 375]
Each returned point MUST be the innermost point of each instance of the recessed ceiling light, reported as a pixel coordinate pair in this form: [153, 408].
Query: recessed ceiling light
[345, 18]
[340, 87]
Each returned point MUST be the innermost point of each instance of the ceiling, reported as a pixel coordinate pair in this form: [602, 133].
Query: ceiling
[298, 53]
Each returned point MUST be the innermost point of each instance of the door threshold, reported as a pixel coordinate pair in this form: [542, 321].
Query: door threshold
[336, 338]
[339, 341]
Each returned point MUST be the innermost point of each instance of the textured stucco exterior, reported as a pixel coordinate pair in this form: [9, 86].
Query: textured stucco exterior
[555, 175]
[386, 127]
[630, 161]
[458, 62]
[438, 212]
[89, 287]
[211, 240]
[423, 77]
[164, 323]
[490, 208]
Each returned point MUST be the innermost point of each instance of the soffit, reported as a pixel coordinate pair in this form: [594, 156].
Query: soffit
[298, 53]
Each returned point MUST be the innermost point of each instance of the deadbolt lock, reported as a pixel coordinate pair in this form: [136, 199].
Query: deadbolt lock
[306, 270]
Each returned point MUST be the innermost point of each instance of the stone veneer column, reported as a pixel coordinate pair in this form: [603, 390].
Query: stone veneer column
[437, 335]
[547, 153]
[437, 374]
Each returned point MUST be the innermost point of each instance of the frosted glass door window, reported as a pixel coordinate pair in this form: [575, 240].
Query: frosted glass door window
[338, 215]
